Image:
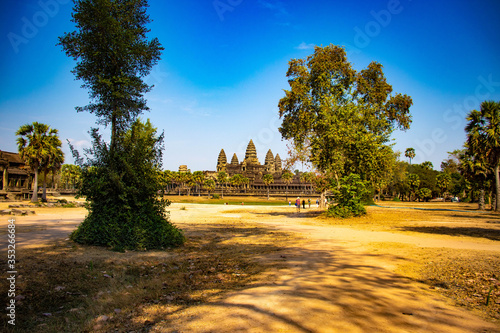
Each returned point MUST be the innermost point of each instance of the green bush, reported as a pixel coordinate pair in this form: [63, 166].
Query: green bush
[396, 199]
[349, 197]
[215, 196]
[121, 189]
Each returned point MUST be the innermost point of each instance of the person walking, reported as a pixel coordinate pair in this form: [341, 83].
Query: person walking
[297, 204]
[304, 203]
[309, 202]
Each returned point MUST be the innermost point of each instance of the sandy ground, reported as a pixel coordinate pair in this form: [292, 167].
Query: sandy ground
[332, 282]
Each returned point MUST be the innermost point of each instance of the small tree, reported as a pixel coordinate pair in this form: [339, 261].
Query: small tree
[424, 194]
[349, 196]
[413, 182]
[135, 219]
[443, 182]
[268, 179]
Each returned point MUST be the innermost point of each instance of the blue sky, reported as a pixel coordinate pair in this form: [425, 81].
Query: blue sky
[223, 69]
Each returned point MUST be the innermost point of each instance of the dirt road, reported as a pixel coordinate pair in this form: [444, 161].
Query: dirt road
[333, 282]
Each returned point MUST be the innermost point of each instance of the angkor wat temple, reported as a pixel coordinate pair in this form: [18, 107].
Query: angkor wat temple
[251, 168]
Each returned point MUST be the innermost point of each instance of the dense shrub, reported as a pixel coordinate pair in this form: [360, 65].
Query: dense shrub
[349, 197]
[121, 187]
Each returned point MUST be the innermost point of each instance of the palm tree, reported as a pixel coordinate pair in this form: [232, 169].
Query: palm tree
[443, 182]
[36, 143]
[52, 162]
[483, 140]
[209, 184]
[268, 179]
[413, 181]
[287, 177]
[476, 173]
[222, 179]
[245, 181]
[198, 178]
[236, 180]
[410, 153]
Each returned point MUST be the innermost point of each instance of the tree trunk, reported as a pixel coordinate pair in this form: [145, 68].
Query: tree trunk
[497, 187]
[322, 200]
[481, 199]
[44, 192]
[34, 198]
[286, 192]
[267, 192]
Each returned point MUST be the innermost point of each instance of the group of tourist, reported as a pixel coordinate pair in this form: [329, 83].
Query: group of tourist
[298, 203]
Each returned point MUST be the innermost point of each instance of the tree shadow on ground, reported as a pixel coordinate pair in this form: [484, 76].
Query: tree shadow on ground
[323, 289]
[488, 233]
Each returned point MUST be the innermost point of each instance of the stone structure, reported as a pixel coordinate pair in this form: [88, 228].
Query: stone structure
[15, 176]
[252, 169]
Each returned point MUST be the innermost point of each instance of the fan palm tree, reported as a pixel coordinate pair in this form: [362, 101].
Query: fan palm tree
[222, 180]
[36, 143]
[287, 177]
[209, 184]
[410, 153]
[483, 140]
[198, 178]
[52, 162]
[268, 179]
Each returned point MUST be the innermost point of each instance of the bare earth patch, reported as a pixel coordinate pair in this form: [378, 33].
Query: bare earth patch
[268, 269]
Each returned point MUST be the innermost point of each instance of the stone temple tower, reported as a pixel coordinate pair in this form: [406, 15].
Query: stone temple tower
[221, 161]
[234, 160]
[277, 163]
[269, 161]
[251, 154]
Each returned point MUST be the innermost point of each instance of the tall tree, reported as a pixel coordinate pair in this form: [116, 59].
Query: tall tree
[268, 179]
[121, 179]
[483, 140]
[37, 142]
[410, 153]
[113, 56]
[343, 118]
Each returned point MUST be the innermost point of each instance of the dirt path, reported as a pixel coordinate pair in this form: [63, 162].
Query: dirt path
[332, 284]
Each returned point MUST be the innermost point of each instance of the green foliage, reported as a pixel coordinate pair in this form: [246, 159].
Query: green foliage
[113, 56]
[342, 119]
[40, 148]
[410, 153]
[483, 146]
[349, 196]
[121, 189]
[424, 194]
[215, 196]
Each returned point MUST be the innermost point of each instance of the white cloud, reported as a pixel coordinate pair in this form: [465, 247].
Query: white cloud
[304, 46]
